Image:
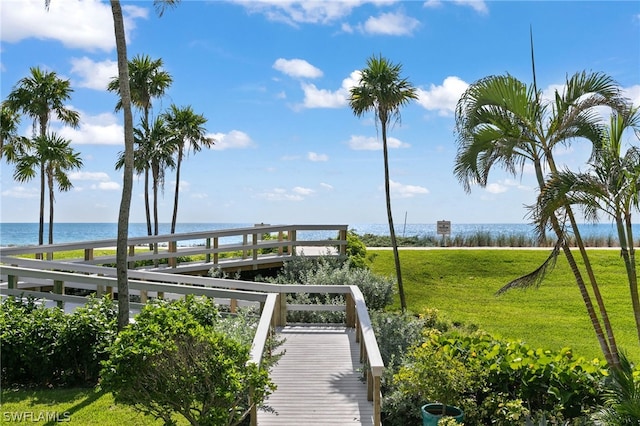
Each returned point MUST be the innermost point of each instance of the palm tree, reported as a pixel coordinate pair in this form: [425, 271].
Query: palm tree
[611, 186]
[147, 81]
[9, 121]
[382, 91]
[502, 121]
[58, 158]
[39, 96]
[159, 145]
[187, 127]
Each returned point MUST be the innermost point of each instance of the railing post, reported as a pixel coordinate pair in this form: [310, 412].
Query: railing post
[58, 288]
[254, 408]
[351, 311]
[12, 281]
[292, 241]
[215, 255]
[280, 238]
[254, 237]
[132, 253]
[343, 247]
[88, 254]
[173, 248]
[377, 403]
[244, 246]
[207, 257]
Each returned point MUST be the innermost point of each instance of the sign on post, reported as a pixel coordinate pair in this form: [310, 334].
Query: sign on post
[444, 228]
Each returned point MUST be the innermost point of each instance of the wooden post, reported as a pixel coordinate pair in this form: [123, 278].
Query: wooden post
[280, 238]
[132, 253]
[254, 407]
[343, 247]
[173, 248]
[281, 310]
[207, 257]
[58, 288]
[292, 240]
[254, 237]
[377, 403]
[215, 246]
[351, 311]
[244, 246]
[88, 254]
[12, 281]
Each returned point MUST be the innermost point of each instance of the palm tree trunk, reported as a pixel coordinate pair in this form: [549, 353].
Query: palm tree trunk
[392, 233]
[127, 182]
[147, 209]
[174, 219]
[51, 201]
[42, 197]
[625, 235]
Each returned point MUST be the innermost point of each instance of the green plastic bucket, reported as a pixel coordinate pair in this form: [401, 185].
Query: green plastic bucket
[432, 413]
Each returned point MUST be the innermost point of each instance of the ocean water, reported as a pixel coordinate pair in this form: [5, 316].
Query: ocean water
[21, 234]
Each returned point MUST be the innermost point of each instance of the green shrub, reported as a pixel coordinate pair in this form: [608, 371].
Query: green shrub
[494, 381]
[45, 347]
[170, 361]
[376, 290]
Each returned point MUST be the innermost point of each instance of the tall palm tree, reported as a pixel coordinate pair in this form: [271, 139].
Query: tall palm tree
[502, 121]
[159, 145]
[611, 186]
[39, 96]
[187, 127]
[147, 81]
[382, 91]
[127, 186]
[58, 158]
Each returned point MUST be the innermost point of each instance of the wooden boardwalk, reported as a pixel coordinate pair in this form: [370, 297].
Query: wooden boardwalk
[319, 379]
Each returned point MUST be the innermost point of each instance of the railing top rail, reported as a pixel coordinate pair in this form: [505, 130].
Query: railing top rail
[262, 331]
[220, 233]
[373, 351]
[100, 280]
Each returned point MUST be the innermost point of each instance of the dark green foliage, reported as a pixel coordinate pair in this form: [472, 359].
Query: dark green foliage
[356, 251]
[494, 381]
[173, 360]
[621, 397]
[46, 347]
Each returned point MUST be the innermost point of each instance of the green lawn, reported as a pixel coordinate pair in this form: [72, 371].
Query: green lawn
[461, 284]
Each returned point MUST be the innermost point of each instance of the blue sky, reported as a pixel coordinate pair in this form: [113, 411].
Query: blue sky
[272, 79]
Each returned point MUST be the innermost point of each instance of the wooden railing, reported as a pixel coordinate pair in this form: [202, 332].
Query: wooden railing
[28, 277]
[224, 248]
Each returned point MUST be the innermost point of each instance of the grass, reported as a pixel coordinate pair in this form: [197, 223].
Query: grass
[462, 284]
[81, 406]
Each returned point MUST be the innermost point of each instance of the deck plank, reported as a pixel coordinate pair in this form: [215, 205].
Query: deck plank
[319, 380]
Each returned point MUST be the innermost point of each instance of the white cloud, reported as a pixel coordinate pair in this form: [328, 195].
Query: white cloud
[280, 194]
[100, 176]
[478, 5]
[297, 68]
[312, 156]
[235, 139]
[391, 24]
[633, 93]
[496, 188]
[301, 12]
[303, 191]
[94, 75]
[21, 192]
[443, 98]
[79, 24]
[107, 186]
[322, 98]
[399, 190]
[326, 186]
[101, 129]
[369, 143]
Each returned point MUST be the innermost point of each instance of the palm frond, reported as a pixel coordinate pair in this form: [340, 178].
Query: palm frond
[534, 278]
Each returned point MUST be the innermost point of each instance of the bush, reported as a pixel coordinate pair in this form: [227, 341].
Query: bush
[377, 291]
[494, 381]
[172, 360]
[45, 347]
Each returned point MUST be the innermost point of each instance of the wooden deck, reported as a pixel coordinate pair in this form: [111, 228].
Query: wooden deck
[319, 379]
